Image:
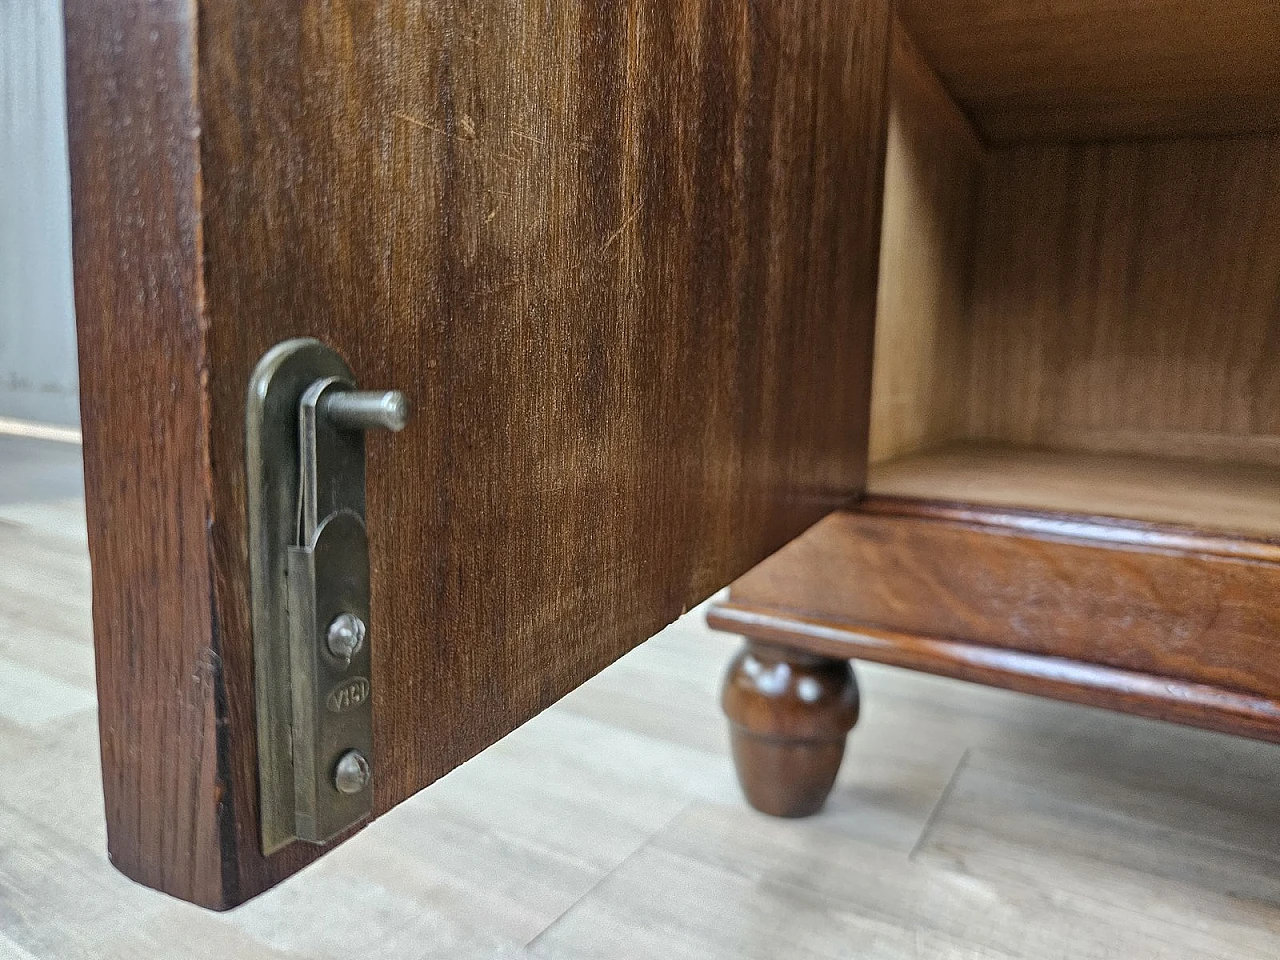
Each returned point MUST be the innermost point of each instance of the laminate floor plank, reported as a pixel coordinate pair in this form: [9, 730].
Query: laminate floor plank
[1181, 893]
[967, 822]
[45, 622]
[720, 883]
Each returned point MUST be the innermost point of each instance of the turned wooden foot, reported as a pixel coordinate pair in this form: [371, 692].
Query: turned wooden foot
[789, 714]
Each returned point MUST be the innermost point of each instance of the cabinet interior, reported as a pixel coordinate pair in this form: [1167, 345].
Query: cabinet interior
[1079, 296]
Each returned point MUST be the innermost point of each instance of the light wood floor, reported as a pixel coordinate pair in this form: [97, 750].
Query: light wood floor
[967, 823]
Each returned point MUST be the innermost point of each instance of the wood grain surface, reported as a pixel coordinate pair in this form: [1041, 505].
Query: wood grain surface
[133, 124]
[1107, 297]
[1143, 694]
[1125, 299]
[1095, 69]
[622, 259]
[1133, 605]
[1230, 498]
[933, 171]
[789, 713]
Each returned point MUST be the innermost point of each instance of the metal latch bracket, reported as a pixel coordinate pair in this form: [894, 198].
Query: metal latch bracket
[310, 591]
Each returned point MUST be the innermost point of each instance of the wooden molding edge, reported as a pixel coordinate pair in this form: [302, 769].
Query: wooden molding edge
[1160, 698]
[1095, 531]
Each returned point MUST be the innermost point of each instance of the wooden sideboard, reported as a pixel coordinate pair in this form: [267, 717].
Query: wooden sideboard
[984, 295]
[1074, 484]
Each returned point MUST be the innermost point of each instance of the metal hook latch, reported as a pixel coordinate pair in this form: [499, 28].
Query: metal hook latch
[309, 560]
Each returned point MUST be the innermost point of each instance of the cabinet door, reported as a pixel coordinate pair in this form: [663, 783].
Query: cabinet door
[620, 256]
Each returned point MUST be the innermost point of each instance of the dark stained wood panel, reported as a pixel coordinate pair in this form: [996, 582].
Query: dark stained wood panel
[622, 259]
[1134, 598]
[1087, 69]
[135, 167]
[1045, 675]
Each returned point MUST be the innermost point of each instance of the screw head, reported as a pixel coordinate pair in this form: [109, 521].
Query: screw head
[346, 636]
[353, 773]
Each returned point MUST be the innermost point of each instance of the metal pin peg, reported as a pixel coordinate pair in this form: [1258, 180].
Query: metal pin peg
[367, 409]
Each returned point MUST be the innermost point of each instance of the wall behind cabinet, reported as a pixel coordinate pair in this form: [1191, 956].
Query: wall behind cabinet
[37, 329]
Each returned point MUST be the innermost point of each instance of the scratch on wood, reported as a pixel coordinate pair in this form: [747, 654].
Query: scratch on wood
[468, 134]
[635, 212]
[419, 123]
[530, 137]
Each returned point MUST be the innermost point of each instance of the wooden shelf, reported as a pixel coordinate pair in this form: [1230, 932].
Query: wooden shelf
[1229, 498]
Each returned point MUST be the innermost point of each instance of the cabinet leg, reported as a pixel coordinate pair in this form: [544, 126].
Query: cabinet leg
[789, 714]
